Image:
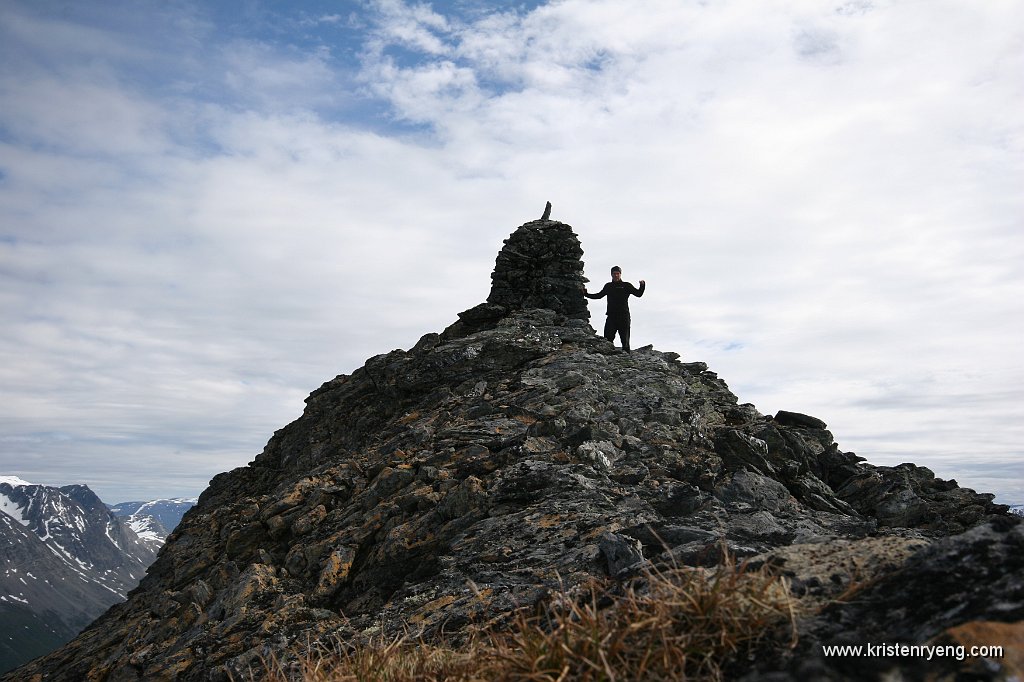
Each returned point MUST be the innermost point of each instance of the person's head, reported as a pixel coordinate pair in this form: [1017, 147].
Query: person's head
[616, 273]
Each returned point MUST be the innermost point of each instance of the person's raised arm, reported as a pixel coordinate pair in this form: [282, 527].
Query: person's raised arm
[640, 291]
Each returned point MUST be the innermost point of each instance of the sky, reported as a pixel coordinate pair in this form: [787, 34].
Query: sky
[208, 209]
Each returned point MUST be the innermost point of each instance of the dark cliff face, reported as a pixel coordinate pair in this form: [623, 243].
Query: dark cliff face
[513, 454]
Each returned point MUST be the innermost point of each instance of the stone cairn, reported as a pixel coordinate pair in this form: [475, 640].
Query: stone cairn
[540, 266]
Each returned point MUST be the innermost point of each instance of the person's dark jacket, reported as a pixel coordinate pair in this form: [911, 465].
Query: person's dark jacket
[618, 296]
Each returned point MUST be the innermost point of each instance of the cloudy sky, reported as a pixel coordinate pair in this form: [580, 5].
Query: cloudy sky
[207, 209]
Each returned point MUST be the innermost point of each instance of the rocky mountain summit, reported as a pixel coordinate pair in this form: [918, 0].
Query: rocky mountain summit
[515, 454]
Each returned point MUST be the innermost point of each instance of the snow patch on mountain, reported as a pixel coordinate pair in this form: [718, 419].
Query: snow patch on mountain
[146, 529]
[11, 508]
[154, 520]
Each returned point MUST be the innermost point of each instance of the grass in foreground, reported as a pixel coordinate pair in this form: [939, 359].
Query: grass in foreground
[682, 623]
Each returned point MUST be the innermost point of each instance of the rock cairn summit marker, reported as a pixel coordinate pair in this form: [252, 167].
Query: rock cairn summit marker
[541, 266]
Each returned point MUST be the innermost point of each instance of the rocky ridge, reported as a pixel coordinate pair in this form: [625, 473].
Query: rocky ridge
[440, 488]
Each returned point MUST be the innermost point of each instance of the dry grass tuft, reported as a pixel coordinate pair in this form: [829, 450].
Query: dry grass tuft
[682, 623]
[685, 623]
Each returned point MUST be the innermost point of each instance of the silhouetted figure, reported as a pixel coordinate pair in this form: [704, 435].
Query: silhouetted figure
[618, 293]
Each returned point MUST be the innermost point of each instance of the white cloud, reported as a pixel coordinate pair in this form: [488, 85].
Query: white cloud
[413, 25]
[262, 77]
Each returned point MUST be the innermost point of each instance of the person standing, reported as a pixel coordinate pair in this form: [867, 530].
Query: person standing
[618, 293]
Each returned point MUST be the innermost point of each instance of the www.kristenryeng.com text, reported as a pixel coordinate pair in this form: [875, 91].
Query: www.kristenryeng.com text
[926, 651]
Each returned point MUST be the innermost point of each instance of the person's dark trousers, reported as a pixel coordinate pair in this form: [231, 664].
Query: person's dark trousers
[620, 324]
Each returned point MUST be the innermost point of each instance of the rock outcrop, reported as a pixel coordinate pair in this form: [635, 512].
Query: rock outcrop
[515, 453]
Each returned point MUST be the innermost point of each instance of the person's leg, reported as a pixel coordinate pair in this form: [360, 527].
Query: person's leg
[609, 328]
[624, 334]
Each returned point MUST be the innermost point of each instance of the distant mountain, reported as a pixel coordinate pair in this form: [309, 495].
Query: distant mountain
[154, 520]
[64, 559]
[1017, 509]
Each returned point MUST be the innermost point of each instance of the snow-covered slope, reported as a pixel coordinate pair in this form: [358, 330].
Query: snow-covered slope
[155, 519]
